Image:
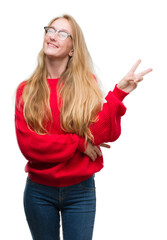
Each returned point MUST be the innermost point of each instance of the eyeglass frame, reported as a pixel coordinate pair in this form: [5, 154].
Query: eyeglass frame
[68, 34]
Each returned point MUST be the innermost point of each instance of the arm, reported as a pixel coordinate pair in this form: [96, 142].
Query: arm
[108, 127]
[43, 148]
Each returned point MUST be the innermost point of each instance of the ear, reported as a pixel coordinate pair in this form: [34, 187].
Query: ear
[71, 53]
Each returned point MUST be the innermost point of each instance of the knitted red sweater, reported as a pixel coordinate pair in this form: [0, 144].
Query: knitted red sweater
[58, 159]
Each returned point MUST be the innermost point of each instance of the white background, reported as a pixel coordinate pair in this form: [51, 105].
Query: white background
[132, 187]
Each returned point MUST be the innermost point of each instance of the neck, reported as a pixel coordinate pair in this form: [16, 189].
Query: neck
[55, 67]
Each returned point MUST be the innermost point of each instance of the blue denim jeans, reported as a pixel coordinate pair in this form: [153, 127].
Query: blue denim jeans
[75, 205]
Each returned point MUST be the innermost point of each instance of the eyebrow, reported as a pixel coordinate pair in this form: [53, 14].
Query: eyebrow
[65, 30]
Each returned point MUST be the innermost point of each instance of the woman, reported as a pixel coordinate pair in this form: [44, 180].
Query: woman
[60, 121]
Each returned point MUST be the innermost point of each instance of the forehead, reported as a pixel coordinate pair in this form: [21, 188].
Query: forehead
[62, 24]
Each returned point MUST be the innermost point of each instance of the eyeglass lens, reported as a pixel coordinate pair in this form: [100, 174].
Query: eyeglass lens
[61, 34]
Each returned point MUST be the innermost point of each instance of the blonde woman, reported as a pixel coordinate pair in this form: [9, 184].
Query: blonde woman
[60, 121]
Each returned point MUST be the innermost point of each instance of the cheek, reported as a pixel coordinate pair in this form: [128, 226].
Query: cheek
[68, 47]
[64, 47]
[45, 41]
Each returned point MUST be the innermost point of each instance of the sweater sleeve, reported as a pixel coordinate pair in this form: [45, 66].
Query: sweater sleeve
[44, 148]
[108, 125]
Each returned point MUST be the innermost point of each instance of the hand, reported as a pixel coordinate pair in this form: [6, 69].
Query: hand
[130, 81]
[92, 151]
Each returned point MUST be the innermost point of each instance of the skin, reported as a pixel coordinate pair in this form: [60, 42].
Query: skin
[127, 84]
[57, 58]
[131, 80]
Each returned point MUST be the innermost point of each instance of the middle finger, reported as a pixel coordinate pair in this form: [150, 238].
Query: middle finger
[133, 69]
[97, 151]
[94, 155]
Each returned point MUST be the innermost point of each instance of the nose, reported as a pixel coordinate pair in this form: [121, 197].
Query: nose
[54, 35]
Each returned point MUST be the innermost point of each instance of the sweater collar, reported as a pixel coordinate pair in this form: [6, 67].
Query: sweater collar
[52, 80]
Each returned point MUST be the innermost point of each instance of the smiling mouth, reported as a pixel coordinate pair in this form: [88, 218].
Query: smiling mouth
[52, 45]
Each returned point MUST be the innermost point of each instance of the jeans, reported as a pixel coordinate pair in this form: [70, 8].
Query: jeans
[76, 205]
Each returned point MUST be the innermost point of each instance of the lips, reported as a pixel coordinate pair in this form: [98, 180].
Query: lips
[52, 45]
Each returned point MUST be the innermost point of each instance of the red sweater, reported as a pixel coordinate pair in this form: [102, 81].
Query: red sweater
[58, 159]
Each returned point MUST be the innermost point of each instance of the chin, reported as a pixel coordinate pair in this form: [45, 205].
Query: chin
[49, 53]
[50, 56]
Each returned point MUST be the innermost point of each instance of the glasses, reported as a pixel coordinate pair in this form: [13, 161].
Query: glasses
[62, 35]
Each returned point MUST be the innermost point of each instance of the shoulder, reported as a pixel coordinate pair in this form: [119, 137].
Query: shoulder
[21, 85]
[19, 92]
[20, 88]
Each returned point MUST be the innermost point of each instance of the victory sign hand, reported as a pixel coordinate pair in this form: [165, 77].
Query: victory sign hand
[130, 81]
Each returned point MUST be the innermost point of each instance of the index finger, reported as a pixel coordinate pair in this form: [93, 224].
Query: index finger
[133, 69]
[145, 72]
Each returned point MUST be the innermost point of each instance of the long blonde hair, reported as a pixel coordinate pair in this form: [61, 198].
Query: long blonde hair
[77, 88]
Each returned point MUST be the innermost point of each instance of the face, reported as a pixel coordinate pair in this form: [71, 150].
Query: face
[55, 48]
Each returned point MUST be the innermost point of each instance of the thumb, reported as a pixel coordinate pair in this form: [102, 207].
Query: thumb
[105, 145]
